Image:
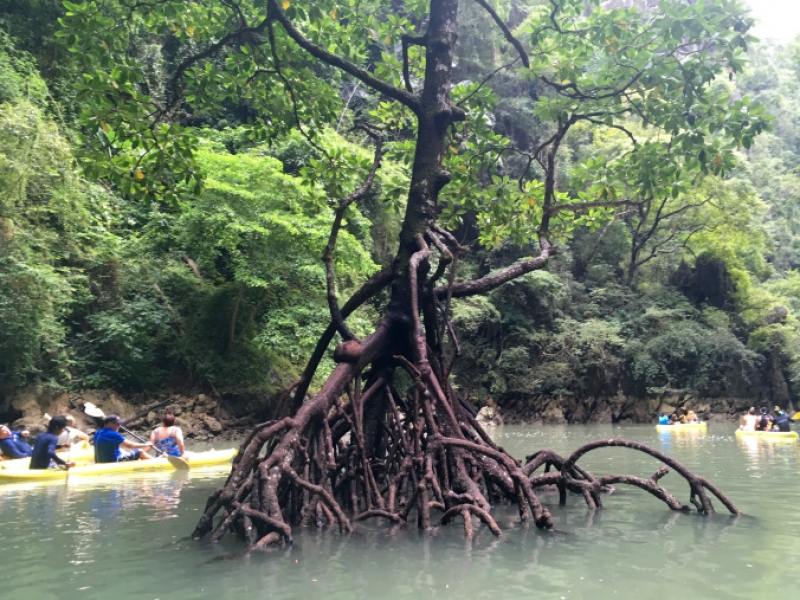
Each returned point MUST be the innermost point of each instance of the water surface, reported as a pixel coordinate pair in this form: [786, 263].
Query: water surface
[127, 536]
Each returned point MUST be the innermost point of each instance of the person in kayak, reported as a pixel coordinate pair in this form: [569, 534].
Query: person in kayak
[663, 419]
[108, 440]
[168, 438]
[765, 420]
[691, 417]
[782, 420]
[71, 433]
[44, 449]
[13, 444]
[750, 420]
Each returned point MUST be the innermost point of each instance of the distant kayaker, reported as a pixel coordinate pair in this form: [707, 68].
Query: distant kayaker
[663, 419]
[71, 434]
[691, 417]
[108, 440]
[44, 449]
[764, 421]
[782, 420]
[13, 444]
[750, 420]
[168, 438]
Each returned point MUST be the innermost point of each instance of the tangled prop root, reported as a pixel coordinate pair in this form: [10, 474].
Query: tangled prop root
[329, 466]
[360, 449]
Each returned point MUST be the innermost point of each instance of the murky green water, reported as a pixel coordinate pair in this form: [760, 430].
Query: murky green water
[125, 537]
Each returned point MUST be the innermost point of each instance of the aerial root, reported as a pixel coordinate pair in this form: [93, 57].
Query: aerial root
[576, 479]
[464, 510]
[362, 450]
[326, 471]
[332, 471]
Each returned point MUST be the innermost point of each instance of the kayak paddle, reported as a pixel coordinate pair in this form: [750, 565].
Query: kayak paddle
[180, 463]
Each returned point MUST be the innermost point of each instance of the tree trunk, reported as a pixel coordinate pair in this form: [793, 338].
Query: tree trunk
[373, 443]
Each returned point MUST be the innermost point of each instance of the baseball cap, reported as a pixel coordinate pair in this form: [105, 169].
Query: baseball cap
[112, 419]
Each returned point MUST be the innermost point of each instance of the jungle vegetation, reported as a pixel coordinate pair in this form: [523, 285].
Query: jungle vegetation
[218, 280]
[518, 200]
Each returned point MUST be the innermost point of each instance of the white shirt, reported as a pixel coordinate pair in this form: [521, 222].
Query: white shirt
[750, 422]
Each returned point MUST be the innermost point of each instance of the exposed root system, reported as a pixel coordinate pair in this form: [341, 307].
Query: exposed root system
[361, 450]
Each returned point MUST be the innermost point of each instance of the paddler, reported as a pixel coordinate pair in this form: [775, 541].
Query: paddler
[71, 433]
[168, 438]
[44, 449]
[750, 420]
[108, 440]
[765, 421]
[13, 444]
[782, 420]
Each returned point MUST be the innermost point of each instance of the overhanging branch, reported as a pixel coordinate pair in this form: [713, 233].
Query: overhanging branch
[494, 280]
[402, 96]
[506, 32]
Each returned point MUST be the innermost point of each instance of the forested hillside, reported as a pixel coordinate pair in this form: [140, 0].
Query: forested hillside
[204, 271]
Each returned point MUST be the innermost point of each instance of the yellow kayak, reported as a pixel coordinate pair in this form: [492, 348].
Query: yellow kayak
[81, 453]
[701, 426]
[210, 458]
[786, 435]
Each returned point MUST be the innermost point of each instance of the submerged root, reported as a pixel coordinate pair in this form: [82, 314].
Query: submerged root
[422, 459]
[362, 450]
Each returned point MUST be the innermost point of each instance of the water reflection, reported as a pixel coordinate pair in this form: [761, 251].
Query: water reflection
[763, 453]
[683, 438]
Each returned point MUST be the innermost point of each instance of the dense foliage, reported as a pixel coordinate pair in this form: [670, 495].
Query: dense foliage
[189, 252]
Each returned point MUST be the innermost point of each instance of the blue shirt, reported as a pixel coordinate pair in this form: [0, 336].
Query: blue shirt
[106, 445]
[15, 446]
[44, 450]
[782, 421]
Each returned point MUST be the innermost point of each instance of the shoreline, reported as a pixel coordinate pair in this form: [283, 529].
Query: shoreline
[204, 417]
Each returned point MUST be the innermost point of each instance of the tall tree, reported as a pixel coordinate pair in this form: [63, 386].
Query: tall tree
[385, 435]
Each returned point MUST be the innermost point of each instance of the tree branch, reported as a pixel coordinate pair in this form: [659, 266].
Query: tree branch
[327, 257]
[404, 97]
[406, 41]
[506, 33]
[490, 282]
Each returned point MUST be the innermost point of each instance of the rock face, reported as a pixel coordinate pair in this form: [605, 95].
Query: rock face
[624, 409]
[489, 416]
[200, 416]
[26, 408]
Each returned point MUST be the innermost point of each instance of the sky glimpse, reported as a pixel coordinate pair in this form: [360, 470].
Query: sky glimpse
[776, 19]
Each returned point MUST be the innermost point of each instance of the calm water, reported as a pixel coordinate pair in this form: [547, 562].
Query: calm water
[126, 537]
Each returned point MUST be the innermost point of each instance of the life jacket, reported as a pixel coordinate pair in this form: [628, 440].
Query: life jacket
[782, 421]
[764, 422]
